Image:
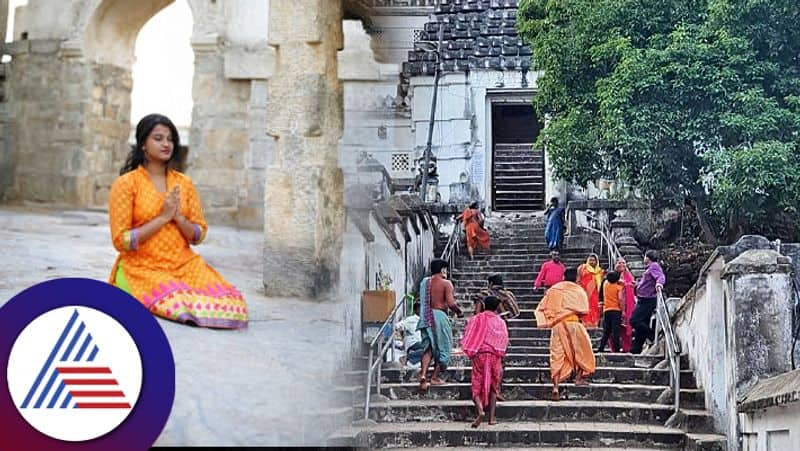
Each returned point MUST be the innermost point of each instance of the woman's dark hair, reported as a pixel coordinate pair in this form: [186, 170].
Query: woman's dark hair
[571, 274]
[474, 206]
[143, 129]
[554, 201]
[491, 303]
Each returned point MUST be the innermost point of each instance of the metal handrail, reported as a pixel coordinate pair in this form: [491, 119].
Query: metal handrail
[605, 237]
[796, 335]
[450, 251]
[374, 366]
[672, 347]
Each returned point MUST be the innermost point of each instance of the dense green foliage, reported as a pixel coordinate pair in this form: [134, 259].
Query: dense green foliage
[694, 100]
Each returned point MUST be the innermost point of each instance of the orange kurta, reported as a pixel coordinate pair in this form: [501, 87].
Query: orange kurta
[163, 272]
[590, 281]
[476, 235]
[570, 345]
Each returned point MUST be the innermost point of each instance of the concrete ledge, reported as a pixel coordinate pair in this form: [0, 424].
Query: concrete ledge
[775, 391]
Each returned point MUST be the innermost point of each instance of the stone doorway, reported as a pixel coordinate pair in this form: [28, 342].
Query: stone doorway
[518, 170]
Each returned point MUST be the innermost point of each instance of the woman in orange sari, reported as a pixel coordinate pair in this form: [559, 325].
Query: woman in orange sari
[570, 346]
[590, 277]
[473, 226]
[154, 215]
[630, 303]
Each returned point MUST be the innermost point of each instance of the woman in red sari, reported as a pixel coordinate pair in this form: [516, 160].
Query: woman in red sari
[590, 277]
[473, 226]
[630, 303]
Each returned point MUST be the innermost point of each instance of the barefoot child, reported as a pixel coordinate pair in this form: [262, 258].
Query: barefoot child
[485, 342]
[613, 311]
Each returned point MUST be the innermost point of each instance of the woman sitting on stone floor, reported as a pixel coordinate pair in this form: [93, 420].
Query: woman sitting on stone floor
[155, 215]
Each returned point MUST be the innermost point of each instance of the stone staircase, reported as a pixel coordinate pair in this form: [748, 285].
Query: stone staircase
[621, 409]
[518, 179]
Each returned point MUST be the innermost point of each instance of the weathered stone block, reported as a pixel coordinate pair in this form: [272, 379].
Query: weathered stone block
[222, 178]
[260, 153]
[255, 185]
[249, 64]
[303, 224]
[229, 144]
[300, 107]
[258, 93]
[251, 216]
[214, 197]
[321, 19]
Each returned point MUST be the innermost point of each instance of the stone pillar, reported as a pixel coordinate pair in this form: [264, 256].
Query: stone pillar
[219, 139]
[758, 290]
[303, 214]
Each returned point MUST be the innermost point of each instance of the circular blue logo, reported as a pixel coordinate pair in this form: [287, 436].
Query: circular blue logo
[87, 367]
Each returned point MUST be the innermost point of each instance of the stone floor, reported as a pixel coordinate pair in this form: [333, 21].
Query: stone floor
[232, 388]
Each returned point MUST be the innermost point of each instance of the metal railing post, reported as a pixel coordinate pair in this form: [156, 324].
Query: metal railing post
[663, 324]
[394, 328]
[380, 365]
[375, 368]
[369, 384]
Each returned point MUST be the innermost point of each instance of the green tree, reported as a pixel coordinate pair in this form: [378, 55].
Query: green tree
[756, 189]
[644, 90]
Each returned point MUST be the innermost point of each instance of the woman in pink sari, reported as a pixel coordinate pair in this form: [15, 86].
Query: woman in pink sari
[630, 302]
[485, 342]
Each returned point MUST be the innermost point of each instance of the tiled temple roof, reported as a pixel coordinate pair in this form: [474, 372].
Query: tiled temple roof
[477, 34]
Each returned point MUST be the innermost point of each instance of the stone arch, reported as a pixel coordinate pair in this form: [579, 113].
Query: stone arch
[71, 76]
[107, 29]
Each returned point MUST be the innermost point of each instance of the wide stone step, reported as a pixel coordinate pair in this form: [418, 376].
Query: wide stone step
[465, 301]
[541, 255]
[624, 412]
[525, 326]
[493, 263]
[520, 331]
[508, 253]
[479, 284]
[501, 153]
[515, 340]
[520, 173]
[542, 360]
[690, 398]
[517, 186]
[522, 147]
[507, 153]
[529, 193]
[483, 275]
[583, 434]
[512, 158]
[519, 170]
[606, 375]
[512, 176]
[530, 301]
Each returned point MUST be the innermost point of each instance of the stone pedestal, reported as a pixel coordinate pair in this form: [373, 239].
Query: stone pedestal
[760, 284]
[303, 214]
[758, 288]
